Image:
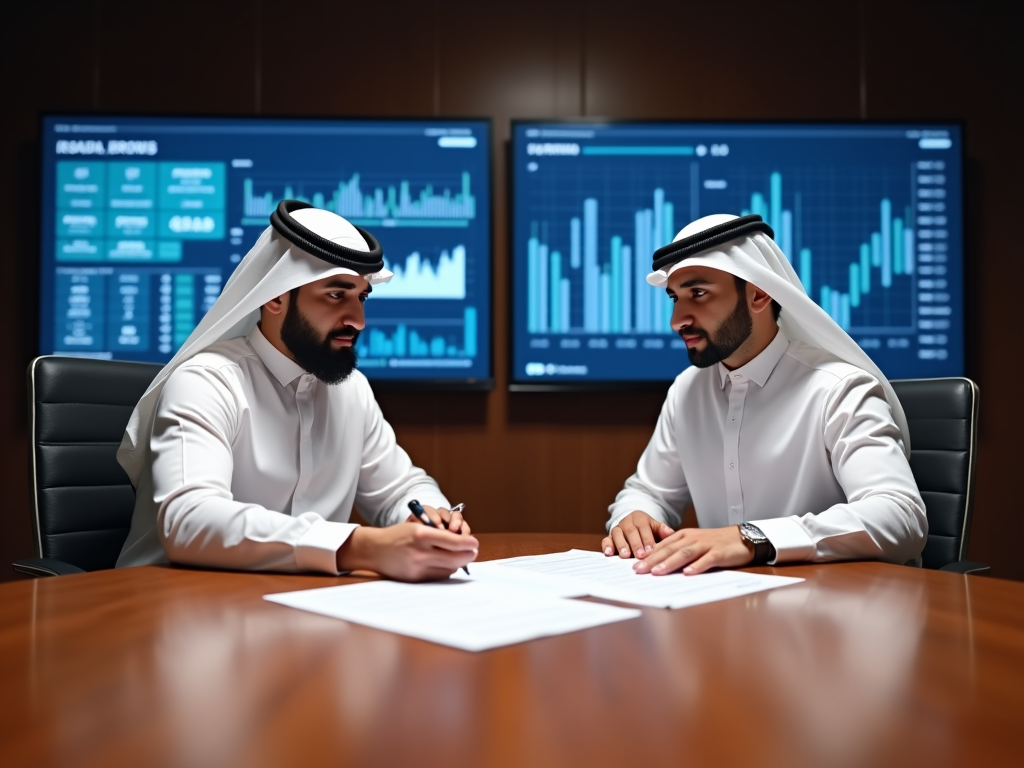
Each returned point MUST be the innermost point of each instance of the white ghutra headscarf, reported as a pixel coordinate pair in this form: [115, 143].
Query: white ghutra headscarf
[744, 247]
[302, 245]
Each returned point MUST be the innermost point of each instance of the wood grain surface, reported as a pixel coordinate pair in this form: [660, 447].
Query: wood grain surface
[862, 664]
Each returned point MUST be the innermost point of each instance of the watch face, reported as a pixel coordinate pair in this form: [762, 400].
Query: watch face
[752, 533]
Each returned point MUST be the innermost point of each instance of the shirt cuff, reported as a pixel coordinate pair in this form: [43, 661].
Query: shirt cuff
[317, 549]
[790, 540]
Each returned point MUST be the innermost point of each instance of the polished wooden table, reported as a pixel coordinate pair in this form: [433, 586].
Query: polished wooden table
[863, 664]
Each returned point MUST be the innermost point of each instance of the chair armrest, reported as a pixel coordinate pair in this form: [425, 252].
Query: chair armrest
[967, 566]
[45, 566]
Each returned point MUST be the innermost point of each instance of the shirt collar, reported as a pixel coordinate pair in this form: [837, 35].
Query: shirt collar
[760, 368]
[285, 369]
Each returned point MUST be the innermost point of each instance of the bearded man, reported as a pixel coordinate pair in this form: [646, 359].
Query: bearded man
[784, 435]
[252, 446]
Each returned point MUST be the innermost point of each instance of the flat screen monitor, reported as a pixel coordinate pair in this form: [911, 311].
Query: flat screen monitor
[144, 219]
[870, 215]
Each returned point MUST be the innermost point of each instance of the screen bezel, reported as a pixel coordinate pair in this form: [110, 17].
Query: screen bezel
[641, 385]
[426, 383]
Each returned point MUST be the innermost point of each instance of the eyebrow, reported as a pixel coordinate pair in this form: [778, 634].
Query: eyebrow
[344, 284]
[696, 281]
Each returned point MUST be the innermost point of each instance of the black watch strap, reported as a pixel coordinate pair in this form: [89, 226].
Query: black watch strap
[762, 553]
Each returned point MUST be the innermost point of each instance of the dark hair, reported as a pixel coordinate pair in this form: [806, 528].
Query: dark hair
[741, 284]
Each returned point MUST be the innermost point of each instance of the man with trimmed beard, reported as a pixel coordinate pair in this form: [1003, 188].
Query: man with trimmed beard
[252, 446]
[784, 435]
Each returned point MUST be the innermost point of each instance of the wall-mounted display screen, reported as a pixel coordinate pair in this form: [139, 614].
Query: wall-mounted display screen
[870, 215]
[144, 219]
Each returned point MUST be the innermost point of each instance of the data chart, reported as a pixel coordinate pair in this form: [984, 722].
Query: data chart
[144, 220]
[870, 216]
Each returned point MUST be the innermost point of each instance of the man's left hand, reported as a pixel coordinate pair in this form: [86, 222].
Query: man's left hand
[695, 550]
[443, 519]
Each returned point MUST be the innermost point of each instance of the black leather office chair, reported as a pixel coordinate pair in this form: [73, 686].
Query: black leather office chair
[82, 501]
[943, 419]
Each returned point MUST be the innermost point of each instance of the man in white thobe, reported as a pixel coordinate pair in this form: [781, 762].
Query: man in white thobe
[254, 443]
[786, 438]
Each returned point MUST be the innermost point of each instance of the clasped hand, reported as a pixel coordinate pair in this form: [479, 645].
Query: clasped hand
[412, 551]
[660, 550]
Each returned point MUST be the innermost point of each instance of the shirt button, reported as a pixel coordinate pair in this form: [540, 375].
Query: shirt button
[738, 376]
[309, 378]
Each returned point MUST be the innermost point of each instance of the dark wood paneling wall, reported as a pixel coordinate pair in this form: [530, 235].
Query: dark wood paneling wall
[534, 462]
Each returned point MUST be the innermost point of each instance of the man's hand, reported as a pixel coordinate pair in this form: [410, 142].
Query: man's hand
[442, 519]
[407, 552]
[697, 549]
[637, 532]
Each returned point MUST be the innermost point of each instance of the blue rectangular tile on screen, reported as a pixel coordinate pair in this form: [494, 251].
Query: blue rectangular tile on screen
[144, 220]
[870, 216]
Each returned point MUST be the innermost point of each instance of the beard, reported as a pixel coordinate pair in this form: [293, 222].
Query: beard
[733, 331]
[313, 351]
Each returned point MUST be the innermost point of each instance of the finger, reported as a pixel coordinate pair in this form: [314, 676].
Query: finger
[442, 539]
[439, 517]
[702, 564]
[465, 528]
[675, 538]
[442, 559]
[412, 519]
[619, 542]
[681, 558]
[664, 531]
[665, 549]
[607, 547]
[646, 538]
[633, 538]
[455, 522]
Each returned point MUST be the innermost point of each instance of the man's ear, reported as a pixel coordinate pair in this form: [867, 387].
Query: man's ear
[278, 305]
[759, 300]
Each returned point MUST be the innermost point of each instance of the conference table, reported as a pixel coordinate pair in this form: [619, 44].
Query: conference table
[861, 664]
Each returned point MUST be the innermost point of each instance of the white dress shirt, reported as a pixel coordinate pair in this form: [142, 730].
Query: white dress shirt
[799, 443]
[256, 465]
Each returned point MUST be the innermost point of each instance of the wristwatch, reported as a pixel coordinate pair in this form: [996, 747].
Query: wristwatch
[763, 549]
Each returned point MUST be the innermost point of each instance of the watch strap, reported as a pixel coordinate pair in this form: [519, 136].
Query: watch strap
[763, 550]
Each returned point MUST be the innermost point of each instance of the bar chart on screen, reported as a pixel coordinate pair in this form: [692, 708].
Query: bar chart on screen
[582, 291]
[860, 297]
[428, 342]
[868, 216]
[387, 204]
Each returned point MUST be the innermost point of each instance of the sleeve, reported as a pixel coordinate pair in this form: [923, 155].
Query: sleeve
[884, 516]
[198, 520]
[658, 487]
[388, 480]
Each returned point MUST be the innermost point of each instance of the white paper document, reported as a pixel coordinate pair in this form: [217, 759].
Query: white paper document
[612, 578]
[473, 615]
[492, 572]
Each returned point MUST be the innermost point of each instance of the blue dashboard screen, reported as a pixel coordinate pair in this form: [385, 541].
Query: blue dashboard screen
[144, 219]
[870, 215]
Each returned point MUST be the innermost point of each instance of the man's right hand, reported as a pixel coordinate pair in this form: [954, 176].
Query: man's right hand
[635, 534]
[407, 552]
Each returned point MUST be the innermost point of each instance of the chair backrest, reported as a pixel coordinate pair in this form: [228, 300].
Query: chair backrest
[943, 418]
[82, 501]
